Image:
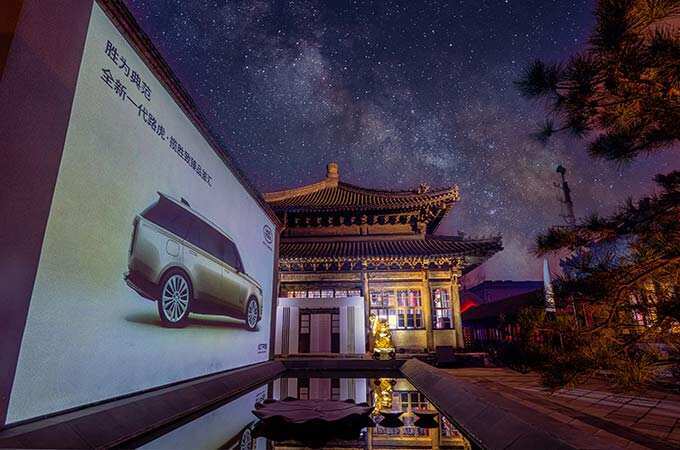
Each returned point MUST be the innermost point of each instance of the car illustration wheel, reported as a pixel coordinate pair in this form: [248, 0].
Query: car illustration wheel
[246, 440]
[175, 299]
[252, 313]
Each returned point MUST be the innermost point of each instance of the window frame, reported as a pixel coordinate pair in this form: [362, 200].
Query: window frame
[401, 308]
[167, 207]
[445, 307]
[193, 231]
[213, 242]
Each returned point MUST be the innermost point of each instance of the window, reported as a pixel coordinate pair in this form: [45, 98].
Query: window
[170, 216]
[231, 255]
[304, 323]
[401, 309]
[323, 293]
[304, 335]
[210, 240]
[411, 400]
[335, 332]
[303, 388]
[194, 234]
[335, 388]
[441, 308]
[239, 262]
[335, 323]
[406, 401]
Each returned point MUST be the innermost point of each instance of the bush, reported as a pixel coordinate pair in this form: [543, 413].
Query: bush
[515, 355]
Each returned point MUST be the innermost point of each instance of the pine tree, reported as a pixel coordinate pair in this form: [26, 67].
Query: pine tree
[623, 91]
[620, 296]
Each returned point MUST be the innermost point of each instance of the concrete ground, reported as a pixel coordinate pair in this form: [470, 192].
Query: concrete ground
[630, 420]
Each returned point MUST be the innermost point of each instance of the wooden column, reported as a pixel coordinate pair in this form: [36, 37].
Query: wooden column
[427, 309]
[367, 302]
[455, 302]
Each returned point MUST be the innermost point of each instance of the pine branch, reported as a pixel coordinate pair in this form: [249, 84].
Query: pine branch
[626, 84]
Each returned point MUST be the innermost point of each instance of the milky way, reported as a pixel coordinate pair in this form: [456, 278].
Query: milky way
[398, 93]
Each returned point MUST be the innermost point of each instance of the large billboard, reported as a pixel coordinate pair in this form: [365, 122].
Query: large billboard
[156, 264]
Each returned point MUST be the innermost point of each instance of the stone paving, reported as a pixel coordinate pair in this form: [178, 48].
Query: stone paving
[647, 420]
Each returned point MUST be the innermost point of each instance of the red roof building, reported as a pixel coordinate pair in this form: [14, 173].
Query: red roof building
[497, 321]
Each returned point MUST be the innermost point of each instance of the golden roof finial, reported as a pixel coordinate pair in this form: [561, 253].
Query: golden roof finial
[332, 170]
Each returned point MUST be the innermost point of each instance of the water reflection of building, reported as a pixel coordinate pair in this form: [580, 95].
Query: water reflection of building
[306, 388]
[440, 433]
[394, 394]
[342, 243]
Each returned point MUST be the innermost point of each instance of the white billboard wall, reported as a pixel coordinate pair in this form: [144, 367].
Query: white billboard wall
[88, 335]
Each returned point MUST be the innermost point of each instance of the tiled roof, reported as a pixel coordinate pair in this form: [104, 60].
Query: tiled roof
[347, 197]
[430, 246]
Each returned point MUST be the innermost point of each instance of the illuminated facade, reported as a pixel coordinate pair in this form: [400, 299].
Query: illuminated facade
[343, 241]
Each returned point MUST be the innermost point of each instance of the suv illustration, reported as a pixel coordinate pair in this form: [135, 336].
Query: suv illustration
[187, 264]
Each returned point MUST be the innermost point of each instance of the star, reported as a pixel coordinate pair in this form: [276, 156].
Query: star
[397, 92]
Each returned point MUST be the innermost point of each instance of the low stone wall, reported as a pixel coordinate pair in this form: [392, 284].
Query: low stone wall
[117, 421]
[491, 420]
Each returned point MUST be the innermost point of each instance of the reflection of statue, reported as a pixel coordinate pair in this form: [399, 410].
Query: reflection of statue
[382, 338]
[382, 394]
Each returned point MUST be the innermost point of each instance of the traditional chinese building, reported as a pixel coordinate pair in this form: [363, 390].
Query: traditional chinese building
[347, 252]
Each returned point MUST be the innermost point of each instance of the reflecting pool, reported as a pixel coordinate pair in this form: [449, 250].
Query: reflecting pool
[401, 417]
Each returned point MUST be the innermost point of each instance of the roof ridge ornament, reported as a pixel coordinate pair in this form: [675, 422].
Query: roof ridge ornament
[332, 171]
[423, 188]
[455, 193]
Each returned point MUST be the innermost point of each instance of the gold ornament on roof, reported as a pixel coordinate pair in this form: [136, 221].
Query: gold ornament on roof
[423, 188]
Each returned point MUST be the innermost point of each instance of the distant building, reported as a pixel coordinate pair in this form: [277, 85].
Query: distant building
[347, 252]
[497, 321]
[489, 309]
[493, 291]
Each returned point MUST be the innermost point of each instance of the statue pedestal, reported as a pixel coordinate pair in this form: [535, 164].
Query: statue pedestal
[384, 353]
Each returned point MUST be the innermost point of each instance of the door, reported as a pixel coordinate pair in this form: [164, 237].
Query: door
[320, 388]
[204, 266]
[235, 285]
[320, 333]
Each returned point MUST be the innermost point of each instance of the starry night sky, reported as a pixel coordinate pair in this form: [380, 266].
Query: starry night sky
[398, 93]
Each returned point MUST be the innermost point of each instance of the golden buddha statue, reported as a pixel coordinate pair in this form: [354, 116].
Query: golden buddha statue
[382, 338]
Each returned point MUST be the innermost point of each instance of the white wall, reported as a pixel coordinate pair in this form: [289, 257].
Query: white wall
[88, 336]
